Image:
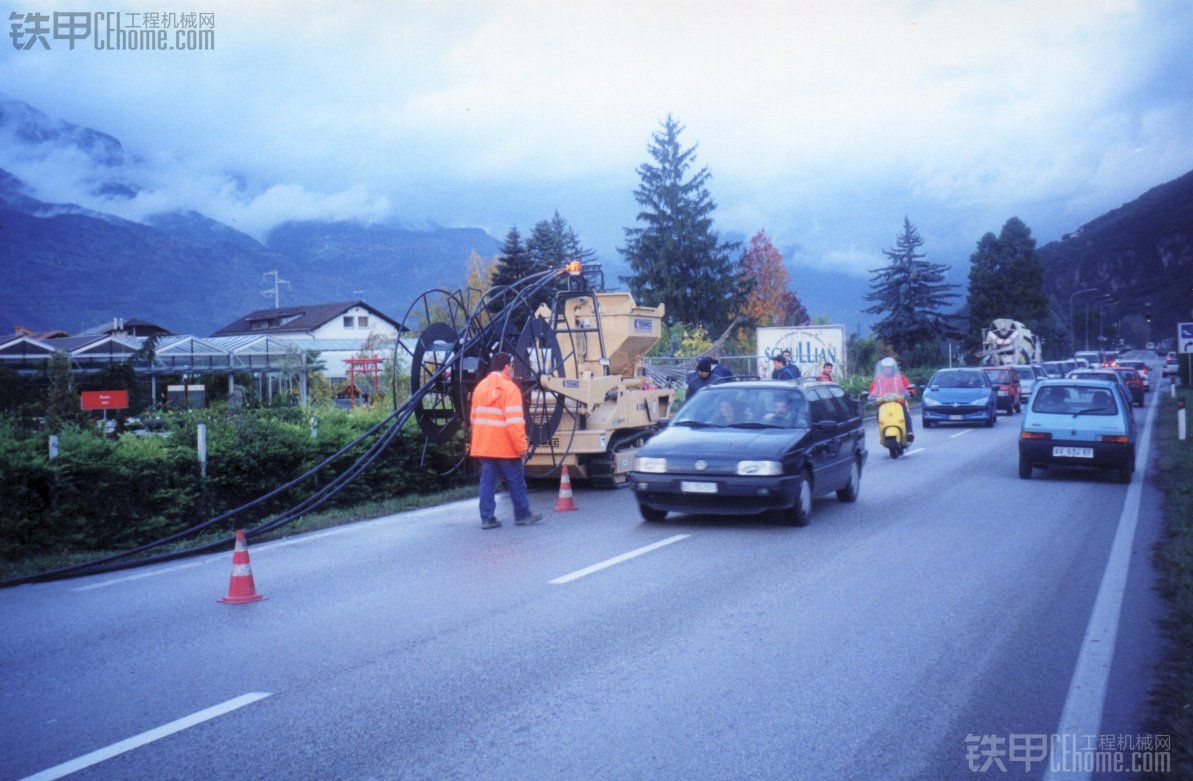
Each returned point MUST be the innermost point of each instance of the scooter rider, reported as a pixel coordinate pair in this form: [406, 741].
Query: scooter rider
[888, 380]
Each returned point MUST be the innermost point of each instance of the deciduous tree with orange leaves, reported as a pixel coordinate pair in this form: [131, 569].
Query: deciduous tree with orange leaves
[765, 278]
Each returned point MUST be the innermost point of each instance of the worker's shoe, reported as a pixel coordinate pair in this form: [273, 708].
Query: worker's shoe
[530, 519]
[490, 523]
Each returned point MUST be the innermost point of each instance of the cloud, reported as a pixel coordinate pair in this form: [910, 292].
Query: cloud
[823, 122]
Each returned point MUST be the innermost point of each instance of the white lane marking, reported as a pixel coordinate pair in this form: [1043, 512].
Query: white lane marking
[95, 757]
[138, 576]
[960, 433]
[617, 560]
[913, 452]
[283, 543]
[299, 540]
[1082, 713]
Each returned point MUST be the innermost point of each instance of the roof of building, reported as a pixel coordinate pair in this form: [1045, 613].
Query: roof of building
[50, 334]
[296, 319]
[124, 324]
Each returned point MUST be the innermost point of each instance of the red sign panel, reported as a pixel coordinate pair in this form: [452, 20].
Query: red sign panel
[105, 399]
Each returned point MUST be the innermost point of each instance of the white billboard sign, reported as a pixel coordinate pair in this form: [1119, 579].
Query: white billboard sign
[810, 346]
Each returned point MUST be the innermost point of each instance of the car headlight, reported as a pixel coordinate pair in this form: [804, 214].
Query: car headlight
[759, 468]
[655, 466]
[931, 402]
[983, 399]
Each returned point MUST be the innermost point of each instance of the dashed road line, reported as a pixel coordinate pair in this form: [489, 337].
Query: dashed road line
[960, 433]
[617, 560]
[136, 741]
[913, 452]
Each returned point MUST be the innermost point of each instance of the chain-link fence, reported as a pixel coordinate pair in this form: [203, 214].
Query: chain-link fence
[672, 372]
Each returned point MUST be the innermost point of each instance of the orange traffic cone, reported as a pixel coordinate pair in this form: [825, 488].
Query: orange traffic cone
[241, 588]
[566, 502]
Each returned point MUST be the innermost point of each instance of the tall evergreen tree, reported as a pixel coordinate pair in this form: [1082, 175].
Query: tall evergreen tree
[1006, 279]
[675, 256]
[911, 293]
[513, 261]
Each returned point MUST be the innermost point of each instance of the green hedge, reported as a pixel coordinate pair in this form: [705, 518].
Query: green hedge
[103, 493]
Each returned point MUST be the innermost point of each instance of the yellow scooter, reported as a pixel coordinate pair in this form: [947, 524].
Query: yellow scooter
[892, 423]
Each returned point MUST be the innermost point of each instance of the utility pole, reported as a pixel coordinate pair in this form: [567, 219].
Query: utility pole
[276, 290]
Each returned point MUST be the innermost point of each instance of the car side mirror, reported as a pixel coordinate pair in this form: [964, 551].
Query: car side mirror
[863, 397]
[825, 427]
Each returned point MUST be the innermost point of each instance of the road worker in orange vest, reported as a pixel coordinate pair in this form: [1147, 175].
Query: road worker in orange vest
[499, 442]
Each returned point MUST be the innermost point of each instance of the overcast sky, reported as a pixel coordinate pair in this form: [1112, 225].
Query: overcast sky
[824, 123]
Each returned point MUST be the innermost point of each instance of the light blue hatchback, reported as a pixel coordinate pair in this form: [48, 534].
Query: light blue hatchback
[1078, 423]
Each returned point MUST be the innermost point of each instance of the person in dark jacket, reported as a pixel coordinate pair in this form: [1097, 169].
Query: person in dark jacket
[720, 373]
[701, 377]
[782, 371]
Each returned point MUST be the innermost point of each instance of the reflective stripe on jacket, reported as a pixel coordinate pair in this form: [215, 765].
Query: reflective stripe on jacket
[498, 419]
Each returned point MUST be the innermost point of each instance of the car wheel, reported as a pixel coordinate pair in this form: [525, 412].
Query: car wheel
[854, 486]
[801, 512]
[926, 423]
[651, 514]
[1024, 469]
[990, 421]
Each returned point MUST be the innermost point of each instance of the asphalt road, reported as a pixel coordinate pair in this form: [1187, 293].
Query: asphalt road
[952, 599]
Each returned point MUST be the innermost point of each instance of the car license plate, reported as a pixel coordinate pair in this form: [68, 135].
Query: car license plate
[956, 417]
[698, 488]
[1072, 452]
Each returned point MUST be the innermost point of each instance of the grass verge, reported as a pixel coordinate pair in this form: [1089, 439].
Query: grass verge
[1172, 696]
[313, 522]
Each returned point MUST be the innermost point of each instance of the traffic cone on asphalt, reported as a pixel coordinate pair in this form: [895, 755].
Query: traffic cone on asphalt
[566, 502]
[241, 588]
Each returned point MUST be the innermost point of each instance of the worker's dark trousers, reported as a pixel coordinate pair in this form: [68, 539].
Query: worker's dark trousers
[514, 473]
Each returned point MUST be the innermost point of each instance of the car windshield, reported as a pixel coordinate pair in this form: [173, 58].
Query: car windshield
[1052, 369]
[1074, 400]
[1000, 376]
[1128, 374]
[737, 407]
[959, 379]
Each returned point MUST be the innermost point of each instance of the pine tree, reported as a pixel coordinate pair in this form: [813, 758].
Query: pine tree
[675, 256]
[911, 292]
[1026, 272]
[513, 261]
[1006, 279]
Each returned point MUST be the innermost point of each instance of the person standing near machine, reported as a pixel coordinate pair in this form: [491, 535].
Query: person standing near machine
[499, 442]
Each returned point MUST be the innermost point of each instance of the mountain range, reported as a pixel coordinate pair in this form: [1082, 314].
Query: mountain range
[63, 266]
[66, 266]
[1140, 255]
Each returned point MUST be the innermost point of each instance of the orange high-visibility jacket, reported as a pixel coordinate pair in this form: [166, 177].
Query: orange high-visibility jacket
[498, 420]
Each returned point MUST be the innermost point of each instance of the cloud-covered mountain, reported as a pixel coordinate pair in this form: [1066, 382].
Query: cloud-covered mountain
[78, 246]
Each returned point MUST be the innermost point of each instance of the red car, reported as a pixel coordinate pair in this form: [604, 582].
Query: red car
[1005, 380]
[1140, 367]
[1134, 383]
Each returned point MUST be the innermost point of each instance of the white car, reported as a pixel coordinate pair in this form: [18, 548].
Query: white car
[1028, 376]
